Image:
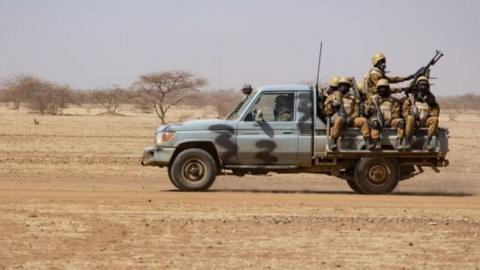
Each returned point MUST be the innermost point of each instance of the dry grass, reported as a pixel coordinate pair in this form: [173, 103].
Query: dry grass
[73, 195]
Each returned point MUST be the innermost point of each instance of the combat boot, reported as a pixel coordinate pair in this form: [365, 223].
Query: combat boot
[334, 145]
[407, 146]
[428, 145]
[368, 144]
[399, 144]
[378, 144]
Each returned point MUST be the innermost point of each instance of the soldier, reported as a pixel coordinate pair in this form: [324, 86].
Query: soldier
[384, 111]
[426, 113]
[377, 72]
[332, 86]
[283, 108]
[343, 108]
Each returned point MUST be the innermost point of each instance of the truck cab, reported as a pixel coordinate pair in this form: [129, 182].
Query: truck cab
[280, 128]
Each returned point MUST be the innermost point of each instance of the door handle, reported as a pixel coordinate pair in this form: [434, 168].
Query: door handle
[288, 132]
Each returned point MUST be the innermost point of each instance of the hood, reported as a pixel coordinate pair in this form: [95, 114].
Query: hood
[198, 125]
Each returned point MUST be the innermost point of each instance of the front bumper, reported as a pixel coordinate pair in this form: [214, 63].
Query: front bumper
[157, 156]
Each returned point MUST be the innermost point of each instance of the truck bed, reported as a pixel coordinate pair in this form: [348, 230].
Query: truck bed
[351, 145]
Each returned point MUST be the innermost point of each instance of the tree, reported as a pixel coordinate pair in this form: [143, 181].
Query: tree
[110, 99]
[18, 88]
[38, 94]
[163, 90]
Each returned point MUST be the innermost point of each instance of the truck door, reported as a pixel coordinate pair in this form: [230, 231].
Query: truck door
[273, 141]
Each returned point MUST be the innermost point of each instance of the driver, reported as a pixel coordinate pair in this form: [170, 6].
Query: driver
[283, 108]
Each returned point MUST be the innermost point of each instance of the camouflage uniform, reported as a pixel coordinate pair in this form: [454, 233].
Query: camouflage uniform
[352, 109]
[428, 112]
[375, 74]
[428, 117]
[390, 109]
[372, 77]
[283, 113]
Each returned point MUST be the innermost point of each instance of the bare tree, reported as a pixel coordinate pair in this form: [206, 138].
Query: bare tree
[38, 94]
[110, 99]
[19, 88]
[61, 96]
[163, 90]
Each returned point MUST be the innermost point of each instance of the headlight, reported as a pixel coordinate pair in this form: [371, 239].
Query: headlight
[163, 137]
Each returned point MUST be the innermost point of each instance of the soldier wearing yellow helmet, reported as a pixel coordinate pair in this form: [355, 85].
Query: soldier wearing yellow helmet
[384, 110]
[343, 108]
[332, 86]
[426, 113]
[376, 73]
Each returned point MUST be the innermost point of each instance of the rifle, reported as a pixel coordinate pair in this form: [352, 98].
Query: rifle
[357, 94]
[379, 114]
[414, 108]
[341, 112]
[425, 70]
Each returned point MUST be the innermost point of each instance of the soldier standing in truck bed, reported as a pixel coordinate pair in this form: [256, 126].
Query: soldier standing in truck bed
[385, 111]
[343, 108]
[427, 112]
[377, 72]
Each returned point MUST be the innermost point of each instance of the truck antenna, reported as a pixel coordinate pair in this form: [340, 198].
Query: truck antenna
[318, 67]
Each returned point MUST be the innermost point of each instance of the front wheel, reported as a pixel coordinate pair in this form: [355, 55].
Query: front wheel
[376, 175]
[193, 170]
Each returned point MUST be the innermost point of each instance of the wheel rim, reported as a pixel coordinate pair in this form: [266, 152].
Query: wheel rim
[378, 174]
[194, 170]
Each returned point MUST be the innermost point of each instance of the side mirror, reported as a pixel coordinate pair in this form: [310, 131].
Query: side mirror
[259, 116]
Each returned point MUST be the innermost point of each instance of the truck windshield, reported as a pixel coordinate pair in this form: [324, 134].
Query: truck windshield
[240, 107]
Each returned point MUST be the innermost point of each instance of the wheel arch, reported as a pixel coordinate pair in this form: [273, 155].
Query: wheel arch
[208, 146]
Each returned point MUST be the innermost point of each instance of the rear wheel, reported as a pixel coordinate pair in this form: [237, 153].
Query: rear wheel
[351, 181]
[193, 170]
[376, 175]
[353, 186]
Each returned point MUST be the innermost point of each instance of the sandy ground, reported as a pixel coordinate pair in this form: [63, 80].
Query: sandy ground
[73, 196]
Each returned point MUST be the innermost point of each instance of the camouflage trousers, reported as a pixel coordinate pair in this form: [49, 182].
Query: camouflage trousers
[395, 123]
[358, 122]
[431, 124]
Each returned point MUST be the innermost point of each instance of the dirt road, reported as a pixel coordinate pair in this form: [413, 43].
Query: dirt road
[73, 196]
[85, 229]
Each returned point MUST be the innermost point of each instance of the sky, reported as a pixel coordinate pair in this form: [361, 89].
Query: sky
[100, 43]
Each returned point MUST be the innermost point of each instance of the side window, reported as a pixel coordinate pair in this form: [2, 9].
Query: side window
[304, 107]
[275, 107]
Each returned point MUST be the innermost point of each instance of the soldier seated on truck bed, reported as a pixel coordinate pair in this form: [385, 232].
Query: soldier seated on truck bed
[343, 108]
[384, 111]
[427, 112]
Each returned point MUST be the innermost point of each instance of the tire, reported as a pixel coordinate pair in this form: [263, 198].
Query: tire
[376, 175]
[193, 170]
[172, 180]
[353, 186]
[351, 182]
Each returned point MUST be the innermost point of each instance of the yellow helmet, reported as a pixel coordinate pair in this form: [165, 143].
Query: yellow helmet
[382, 82]
[421, 78]
[345, 80]
[377, 57]
[334, 81]
[360, 86]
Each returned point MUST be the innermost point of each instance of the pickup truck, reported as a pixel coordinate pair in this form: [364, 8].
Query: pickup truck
[253, 140]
